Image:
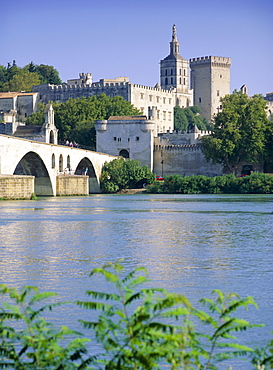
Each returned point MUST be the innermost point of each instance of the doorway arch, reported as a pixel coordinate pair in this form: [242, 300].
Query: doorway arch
[124, 153]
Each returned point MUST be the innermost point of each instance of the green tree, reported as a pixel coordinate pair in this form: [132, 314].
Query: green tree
[180, 119]
[76, 118]
[238, 132]
[123, 174]
[22, 81]
[48, 74]
[186, 118]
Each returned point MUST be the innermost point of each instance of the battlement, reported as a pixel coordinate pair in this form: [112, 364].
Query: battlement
[178, 148]
[149, 88]
[213, 60]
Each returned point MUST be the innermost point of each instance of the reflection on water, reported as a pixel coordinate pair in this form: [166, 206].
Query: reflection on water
[190, 244]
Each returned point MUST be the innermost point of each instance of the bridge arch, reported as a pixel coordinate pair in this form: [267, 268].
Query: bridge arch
[84, 164]
[32, 164]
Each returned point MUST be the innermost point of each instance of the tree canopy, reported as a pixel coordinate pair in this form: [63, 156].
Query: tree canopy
[186, 118]
[123, 174]
[75, 118]
[239, 131]
[14, 78]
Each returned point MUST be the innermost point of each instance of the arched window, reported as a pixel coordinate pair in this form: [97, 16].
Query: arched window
[171, 71]
[184, 72]
[68, 161]
[166, 72]
[166, 81]
[124, 153]
[53, 161]
[51, 137]
[171, 80]
[180, 80]
[61, 166]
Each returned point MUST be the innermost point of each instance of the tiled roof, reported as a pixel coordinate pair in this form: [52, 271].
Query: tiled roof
[27, 130]
[13, 94]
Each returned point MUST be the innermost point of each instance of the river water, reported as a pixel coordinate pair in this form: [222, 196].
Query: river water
[190, 244]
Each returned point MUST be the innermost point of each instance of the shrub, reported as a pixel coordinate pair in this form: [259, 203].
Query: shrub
[138, 328]
[123, 174]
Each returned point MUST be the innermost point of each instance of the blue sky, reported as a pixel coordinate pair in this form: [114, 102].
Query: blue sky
[128, 38]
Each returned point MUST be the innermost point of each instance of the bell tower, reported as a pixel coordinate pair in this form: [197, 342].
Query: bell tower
[174, 73]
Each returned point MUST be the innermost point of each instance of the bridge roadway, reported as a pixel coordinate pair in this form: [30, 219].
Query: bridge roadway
[47, 161]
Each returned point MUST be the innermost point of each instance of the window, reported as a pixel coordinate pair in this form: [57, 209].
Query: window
[200, 100]
[53, 161]
[166, 81]
[68, 161]
[115, 138]
[151, 97]
[164, 100]
[157, 99]
[218, 93]
[180, 80]
[164, 115]
[170, 116]
[158, 114]
[184, 81]
[184, 72]
[171, 80]
[170, 101]
[137, 138]
[180, 71]
[128, 139]
[141, 95]
[166, 73]
[171, 71]
[220, 76]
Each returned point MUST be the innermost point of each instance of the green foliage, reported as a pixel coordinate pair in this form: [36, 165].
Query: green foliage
[28, 341]
[14, 78]
[75, 118]
[123, 174]
[256, 183]
[186, 118]
[22, 81]
[238, 132]
[138, 327]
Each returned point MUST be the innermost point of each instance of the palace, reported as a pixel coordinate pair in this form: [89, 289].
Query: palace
[210, 80]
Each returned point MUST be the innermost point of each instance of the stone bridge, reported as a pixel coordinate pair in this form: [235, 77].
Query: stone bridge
[46, 162]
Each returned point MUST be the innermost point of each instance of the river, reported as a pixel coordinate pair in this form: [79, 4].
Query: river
[190, 244]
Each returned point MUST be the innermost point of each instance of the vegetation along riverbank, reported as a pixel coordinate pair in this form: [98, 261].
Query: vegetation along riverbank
[137, 328]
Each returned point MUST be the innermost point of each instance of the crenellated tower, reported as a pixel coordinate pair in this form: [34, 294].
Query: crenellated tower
[210, 80]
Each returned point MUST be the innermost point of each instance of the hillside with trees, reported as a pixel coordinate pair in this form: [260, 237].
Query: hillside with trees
[14, 78]
[75, 118]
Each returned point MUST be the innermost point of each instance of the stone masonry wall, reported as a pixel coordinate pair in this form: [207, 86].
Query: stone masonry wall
[72, 185]
[183, 160]
[16, 187]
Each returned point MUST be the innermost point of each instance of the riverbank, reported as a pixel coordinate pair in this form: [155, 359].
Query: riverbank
[132, 191]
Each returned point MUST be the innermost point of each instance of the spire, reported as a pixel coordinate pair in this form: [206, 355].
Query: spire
[174, 44]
